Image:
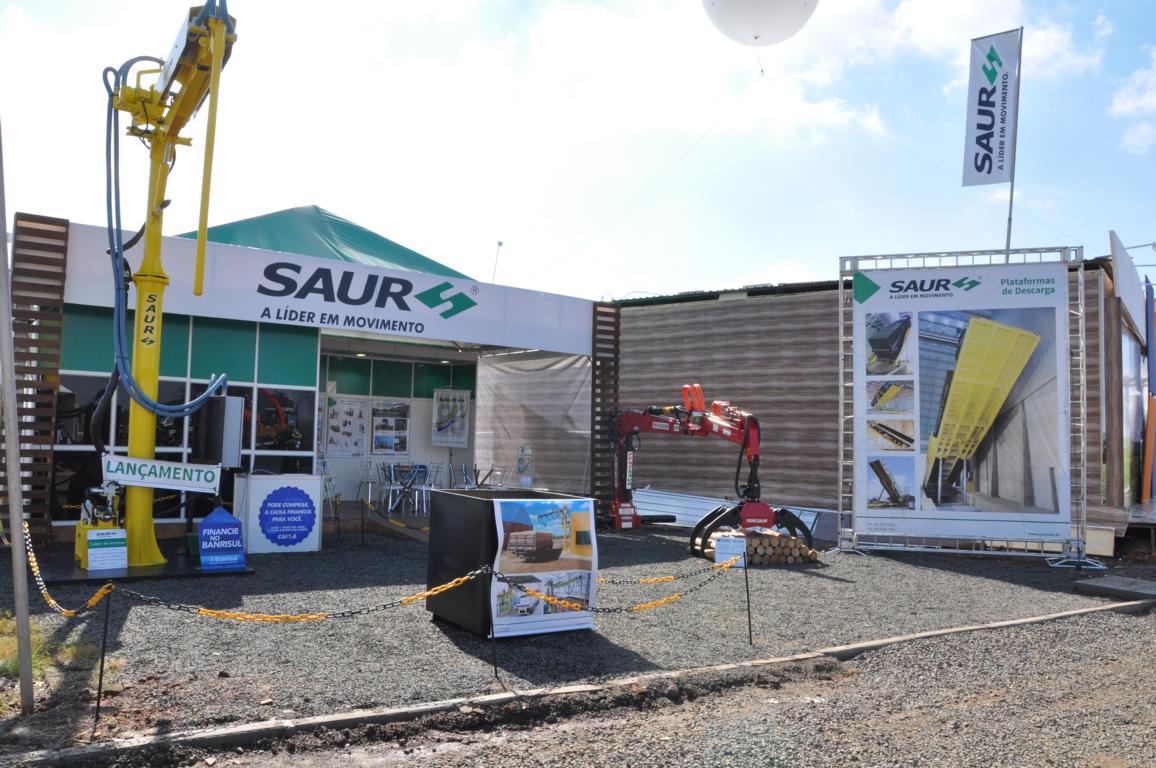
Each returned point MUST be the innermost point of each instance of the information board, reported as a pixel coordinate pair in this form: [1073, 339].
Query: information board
[451, 419]
[390, 433]
[961, 403]
[346, 427]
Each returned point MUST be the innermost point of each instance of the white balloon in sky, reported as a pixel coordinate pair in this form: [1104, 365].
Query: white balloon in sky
[759, 22]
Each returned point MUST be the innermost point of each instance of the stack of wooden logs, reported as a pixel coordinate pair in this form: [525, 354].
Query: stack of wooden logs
[768, 547]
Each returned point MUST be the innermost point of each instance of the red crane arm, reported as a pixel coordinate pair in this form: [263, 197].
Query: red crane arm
[691, 419]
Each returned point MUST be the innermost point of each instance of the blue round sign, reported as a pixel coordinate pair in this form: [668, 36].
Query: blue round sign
[287, 516]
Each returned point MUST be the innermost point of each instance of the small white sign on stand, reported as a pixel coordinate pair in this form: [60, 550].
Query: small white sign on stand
[726, 547]
[107, 549]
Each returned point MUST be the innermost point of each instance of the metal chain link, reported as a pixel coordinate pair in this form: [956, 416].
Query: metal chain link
[33, 564]
[661, 579]
[291, 618]
[717, 568]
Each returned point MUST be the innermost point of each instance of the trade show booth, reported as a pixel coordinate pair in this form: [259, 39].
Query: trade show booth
[354, 356]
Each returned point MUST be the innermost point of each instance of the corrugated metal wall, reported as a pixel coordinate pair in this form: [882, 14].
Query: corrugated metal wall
[774, 356]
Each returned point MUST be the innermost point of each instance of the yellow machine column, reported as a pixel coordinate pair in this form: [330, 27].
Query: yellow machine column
[150, 282]
[159, 112]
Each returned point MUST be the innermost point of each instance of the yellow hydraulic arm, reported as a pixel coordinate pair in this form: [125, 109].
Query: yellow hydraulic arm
[159, 113]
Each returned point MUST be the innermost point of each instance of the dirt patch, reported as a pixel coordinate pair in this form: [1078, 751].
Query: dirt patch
[515, 716]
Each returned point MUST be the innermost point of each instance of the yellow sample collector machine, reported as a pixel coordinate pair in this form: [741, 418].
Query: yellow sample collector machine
[160, 100]
[99, 512]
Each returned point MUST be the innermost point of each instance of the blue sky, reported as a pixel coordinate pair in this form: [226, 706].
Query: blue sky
[617, 149]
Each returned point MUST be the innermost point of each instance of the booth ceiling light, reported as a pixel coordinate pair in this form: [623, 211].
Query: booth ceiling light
[990, 362]
[359, 354]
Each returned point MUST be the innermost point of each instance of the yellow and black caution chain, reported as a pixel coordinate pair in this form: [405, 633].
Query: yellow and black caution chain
[100, 594]
[294, 618]
[716, 569]
[399, 524]
[198, 610]
[667, 579]
[571, 605]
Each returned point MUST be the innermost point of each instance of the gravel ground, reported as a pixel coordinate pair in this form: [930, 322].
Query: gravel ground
[171, 670]
[1076, 692]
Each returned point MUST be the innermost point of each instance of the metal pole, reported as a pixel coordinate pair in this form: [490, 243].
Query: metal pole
[497, 253]
[1015, 137]
[12, 466]
[494, 649]
[103, 648]
[747, 581]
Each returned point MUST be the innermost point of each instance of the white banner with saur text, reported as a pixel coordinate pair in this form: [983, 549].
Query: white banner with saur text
[287, 289]
[992, 106]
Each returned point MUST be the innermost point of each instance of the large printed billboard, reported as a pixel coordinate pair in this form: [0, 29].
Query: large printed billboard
[961, 403]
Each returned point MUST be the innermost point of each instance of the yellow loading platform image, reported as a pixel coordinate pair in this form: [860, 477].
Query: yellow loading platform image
[895, 496]
[894, 435]
[886, 395]
[991, 359]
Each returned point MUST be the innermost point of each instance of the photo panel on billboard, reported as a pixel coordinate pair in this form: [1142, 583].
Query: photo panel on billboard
[547, 546]
[983, 453]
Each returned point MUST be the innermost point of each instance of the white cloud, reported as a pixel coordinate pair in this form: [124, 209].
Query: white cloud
[1139, 138]
[1137, 96]
[1050, 52]
[1103, 27]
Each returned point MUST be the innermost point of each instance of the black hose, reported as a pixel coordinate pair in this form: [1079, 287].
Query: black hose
[95, 430]
[742, 449]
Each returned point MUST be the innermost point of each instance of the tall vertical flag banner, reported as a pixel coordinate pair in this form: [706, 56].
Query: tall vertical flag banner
[992, 109]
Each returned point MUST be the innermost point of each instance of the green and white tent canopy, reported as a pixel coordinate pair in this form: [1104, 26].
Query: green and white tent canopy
[312, 231]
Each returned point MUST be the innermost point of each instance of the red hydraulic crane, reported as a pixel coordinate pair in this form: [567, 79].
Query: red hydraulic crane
[693, 419]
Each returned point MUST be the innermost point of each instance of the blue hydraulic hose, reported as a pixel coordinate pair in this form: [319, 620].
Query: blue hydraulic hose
[116, 254]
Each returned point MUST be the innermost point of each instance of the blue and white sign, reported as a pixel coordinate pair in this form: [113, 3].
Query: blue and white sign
[287, 516]
[222, 546]
[282, 513]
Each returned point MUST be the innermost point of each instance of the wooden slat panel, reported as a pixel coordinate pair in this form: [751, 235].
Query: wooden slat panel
[39, 260]
[774, 356]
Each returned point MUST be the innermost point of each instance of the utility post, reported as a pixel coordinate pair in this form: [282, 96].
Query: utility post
[12, 467]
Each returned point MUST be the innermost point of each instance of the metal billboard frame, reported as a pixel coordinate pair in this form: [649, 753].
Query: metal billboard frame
[1072, 550]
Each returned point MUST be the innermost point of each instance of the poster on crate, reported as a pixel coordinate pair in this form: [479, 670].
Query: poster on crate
[451, 418]
[346, 434]
[390, 420]
[547, 546]
[961, 403]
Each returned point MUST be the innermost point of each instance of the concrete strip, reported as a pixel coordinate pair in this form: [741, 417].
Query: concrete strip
[1119, 587]
[843, 652]
[241, 735]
